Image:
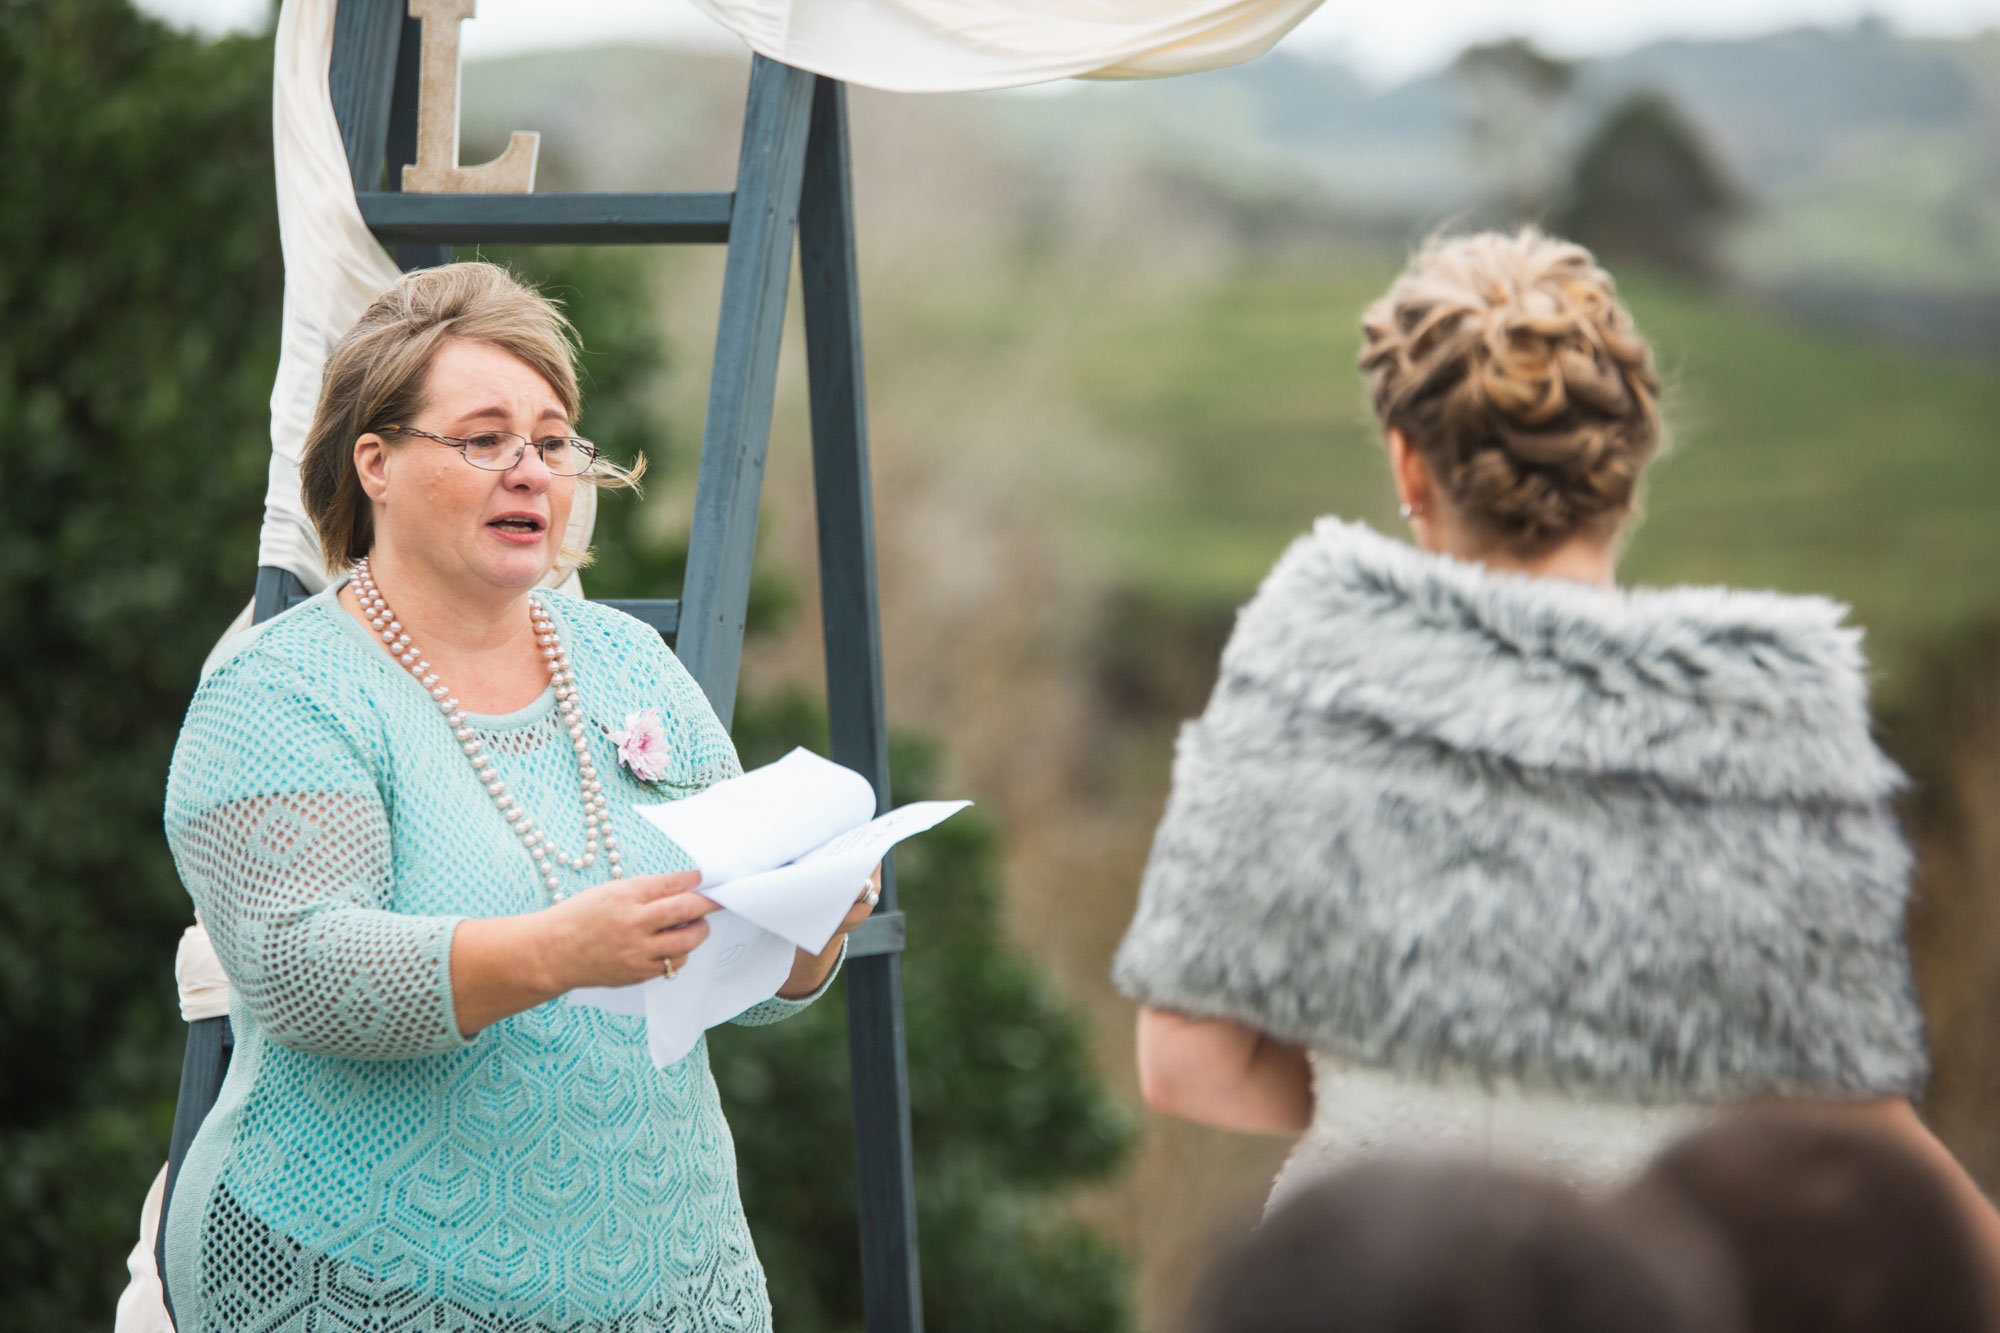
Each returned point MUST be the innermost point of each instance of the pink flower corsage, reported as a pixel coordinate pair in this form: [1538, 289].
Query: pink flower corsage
[642, 745]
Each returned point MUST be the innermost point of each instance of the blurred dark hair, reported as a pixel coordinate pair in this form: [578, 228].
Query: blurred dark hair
[1449, 1246]
[1833, 1226]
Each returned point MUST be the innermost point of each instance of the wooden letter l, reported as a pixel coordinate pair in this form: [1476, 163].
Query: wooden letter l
[436, 170]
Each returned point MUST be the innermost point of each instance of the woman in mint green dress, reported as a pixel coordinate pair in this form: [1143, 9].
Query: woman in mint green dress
[404, 812]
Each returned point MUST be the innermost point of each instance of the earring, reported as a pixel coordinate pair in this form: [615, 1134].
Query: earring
[1412, 511]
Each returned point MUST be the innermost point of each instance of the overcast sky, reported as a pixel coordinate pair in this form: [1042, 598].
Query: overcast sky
[1384, 41]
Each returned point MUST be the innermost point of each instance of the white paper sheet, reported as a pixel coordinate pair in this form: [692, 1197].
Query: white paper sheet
[785, 850]
[803, 902]
[767, 817]
[738, 966]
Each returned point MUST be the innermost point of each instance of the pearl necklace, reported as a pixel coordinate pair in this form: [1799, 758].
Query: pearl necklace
[596, 818]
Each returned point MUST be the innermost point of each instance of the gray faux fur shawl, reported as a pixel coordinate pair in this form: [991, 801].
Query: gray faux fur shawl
[1632, 846]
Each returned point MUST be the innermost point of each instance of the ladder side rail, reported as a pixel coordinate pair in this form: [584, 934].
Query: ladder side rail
[366, 38]
[210, 1043]
[885, 1187]
[844, 501]
[402, 147]
[400, 139]
[737, 430]
[661, 614]
[278, 591]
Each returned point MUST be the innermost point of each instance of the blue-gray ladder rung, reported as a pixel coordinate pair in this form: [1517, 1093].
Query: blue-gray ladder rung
[682, 217]
[278, 591]
[884, 932]
[662, 613]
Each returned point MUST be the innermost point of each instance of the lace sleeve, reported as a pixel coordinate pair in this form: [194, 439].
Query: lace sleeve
[280, 835]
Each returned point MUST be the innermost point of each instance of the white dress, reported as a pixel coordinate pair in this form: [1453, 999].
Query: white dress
[1360, 1114]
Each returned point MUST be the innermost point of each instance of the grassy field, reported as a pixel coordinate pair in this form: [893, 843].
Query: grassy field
[1800, 461]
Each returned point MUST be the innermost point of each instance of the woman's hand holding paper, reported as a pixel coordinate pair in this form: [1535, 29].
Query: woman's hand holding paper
[626, 931]
[791, 854]
[809, 970]
[615, 934]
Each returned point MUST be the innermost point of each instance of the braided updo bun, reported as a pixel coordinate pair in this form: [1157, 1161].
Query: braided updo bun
[1509, 365]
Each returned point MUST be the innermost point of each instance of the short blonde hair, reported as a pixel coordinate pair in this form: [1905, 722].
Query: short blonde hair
[1510, 366]
[377, 374]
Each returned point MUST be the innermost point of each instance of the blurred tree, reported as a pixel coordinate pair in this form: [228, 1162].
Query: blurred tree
[1514, 93]
[1646, 187]
[140, 289]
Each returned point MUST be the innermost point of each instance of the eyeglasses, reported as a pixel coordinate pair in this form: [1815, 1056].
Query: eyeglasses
[497, 450]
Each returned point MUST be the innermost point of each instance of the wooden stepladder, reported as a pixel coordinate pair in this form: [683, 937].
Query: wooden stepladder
[792, 177]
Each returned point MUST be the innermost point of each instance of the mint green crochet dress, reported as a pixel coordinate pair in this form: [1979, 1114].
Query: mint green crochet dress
[366, 1167]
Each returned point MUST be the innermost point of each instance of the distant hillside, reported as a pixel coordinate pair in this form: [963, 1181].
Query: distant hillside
[1782, 106]
[1871, 161]
[1869, 156]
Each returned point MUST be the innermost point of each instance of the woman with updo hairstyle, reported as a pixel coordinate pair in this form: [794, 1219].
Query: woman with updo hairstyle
[406, 812]
[1530, 400]
[1473, 849]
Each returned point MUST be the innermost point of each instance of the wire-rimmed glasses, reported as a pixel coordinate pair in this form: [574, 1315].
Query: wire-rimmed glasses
[499, 450]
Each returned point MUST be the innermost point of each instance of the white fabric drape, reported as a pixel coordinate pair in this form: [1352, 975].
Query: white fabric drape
[140, 1307]
[333, 269]
[934, 46]
[198, 977]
